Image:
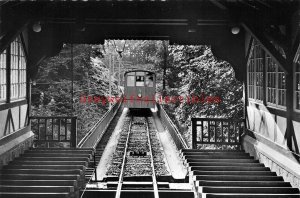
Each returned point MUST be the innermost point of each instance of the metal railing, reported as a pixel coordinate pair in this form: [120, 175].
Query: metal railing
[217, 131]
[50, 130]
[91, 139]
[173, 130]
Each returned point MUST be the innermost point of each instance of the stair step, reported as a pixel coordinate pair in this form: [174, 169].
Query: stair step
[41, 171]
[216, 157]
[44, 189]
[59, 154]
[175, 194]
[88, 193]
[45, 173]
[234, 173]
[52, 159]
[138, 185]
[33, 195]
[36, 166]
[228, 168]
[39, 177]
[219, 174]
[238, 178]
[61, 149]
[244, 183]
[75, 152]
[225, 164]
[253, 190]
[187, 153]
[21, 162]
[228, 195]
[209, 150]
[39, 182]
[223, 160]
[138, 193]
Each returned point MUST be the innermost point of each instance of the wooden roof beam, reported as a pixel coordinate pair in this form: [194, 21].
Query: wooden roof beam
[271, 50]
[218, 4]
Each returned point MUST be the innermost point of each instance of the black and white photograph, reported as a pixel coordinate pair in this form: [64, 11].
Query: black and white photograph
[149, 98]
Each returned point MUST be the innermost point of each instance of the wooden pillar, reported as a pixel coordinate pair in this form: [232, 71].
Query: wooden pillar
[194, 133]
[74, 132]
[289, 100]
[8, 66]
[290, 54]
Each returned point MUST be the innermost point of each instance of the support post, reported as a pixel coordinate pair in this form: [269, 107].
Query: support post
[290, 55]
[119, 75]
[8, 66]
[194, 133]
[95, 166]
[73, 132]
[72, 77]
[289, 101]
[110, 56]
[165, 66]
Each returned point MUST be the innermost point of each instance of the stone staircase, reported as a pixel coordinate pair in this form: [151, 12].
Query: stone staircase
[45, 172]
[235, 174]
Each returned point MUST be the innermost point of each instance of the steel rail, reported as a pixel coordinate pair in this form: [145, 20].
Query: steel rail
[155, 187]
[120, 182]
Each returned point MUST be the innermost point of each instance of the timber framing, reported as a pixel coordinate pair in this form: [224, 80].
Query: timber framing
[272, 23]
[272, 51]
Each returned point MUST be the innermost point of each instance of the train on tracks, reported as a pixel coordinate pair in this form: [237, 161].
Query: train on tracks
[139, 89]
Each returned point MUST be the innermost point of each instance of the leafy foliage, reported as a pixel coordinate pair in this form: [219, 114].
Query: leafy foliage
[52, 94]
[196, 72]
[190, 71]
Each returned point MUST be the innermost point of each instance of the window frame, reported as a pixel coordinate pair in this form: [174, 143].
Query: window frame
[19, 56]
[253, 60]
[8, 102]
[5, 83]
[297, 58]
[277, 89]
[143, 80]
[147, 77]
[133, 76]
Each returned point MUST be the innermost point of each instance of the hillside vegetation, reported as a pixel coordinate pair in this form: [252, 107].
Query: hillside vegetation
[187, 71]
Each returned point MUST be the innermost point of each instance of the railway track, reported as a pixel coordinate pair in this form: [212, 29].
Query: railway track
[138, 154]
[137, 164]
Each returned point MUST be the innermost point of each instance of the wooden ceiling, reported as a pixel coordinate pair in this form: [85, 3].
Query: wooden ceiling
[180, 21]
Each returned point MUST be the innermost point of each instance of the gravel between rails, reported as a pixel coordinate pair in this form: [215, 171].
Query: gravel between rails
[138, 161]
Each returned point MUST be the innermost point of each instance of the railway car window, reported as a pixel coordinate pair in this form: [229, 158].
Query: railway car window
[130, 81]
[149, 80]
[140, 81]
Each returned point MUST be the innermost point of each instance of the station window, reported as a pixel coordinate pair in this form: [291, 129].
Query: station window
[259, 59]
[3, 69]
[255, 73]
[130, 81]
[276, 83]
[18, 70]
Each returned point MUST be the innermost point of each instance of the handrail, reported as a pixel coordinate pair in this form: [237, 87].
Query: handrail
[217, 131]
[52, 117]
[173, 130]
[54, 129]
[91, 139]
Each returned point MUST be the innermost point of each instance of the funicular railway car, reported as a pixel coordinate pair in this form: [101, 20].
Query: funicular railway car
[139, 90]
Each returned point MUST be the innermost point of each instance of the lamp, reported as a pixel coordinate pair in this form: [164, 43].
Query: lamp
[120, 46]
[36, 27]
[235, 30]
